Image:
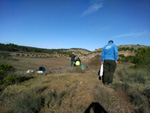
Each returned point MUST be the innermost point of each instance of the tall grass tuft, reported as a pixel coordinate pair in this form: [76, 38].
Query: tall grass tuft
[28, 102]
[133, 76]
[128, 81]
[125, 87]
[146, 93]
[140, 101]
[54, 101]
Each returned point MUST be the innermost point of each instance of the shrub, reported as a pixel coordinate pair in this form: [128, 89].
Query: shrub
[133, 76]
[29, 102]
[7, 76]
[52, 99]
[12, 79]
[142, 58]
[5, 70]
[136, 78]
[125, 58]
[146, 93]
[9, 80]
[140, 101]
[125, 87]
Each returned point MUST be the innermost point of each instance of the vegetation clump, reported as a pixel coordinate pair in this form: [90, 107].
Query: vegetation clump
[8, 77]
[28, 102]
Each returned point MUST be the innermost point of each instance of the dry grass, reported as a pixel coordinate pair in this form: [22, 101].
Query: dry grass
[61, 93]
[65, 90]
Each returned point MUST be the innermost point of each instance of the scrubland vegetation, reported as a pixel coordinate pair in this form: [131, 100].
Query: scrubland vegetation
[75, 89]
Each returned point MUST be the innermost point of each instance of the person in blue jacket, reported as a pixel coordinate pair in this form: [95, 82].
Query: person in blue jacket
[109, 57]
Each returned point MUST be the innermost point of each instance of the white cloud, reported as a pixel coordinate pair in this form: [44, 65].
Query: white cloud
[146, 32]
[93, 8]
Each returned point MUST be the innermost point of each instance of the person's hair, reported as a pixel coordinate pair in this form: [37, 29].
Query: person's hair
[111, 41]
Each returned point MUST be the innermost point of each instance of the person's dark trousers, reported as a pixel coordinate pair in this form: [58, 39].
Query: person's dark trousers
[72, 63]
[109, 69]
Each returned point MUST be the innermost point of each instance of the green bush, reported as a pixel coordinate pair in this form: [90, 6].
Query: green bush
[8, 80]
[6, 68]
[126, 48]
[142, 58]
[7, 76]
[125, 58]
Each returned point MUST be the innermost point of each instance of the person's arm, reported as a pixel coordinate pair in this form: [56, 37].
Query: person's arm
[116, 54]
[102, 57]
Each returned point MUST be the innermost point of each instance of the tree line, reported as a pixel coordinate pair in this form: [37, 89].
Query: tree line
[14, 48]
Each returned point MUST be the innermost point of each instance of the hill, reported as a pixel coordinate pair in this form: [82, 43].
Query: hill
[127, 50]
[62, 89]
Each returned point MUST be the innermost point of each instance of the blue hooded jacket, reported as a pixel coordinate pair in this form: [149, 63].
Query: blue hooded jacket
[110, 52]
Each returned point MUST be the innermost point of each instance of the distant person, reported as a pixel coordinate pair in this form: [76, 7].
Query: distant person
[109, 58]
[72, 59]
[78, 62]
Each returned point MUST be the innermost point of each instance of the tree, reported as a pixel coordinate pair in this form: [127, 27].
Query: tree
[142, 58]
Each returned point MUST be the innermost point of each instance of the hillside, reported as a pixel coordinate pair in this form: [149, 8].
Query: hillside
[126, 50]
[63, 93]
[65, 89]
[16, 50]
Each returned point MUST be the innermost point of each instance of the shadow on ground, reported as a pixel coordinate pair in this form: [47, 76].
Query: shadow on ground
[97, 108]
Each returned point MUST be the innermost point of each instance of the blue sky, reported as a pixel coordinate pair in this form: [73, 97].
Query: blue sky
[87, 24]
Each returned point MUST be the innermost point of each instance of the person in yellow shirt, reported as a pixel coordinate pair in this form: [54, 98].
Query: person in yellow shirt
[78, 62]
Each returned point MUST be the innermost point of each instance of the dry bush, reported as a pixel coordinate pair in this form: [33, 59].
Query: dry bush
[60, 102]
[125, 87]
[28, 102]
[110, 101]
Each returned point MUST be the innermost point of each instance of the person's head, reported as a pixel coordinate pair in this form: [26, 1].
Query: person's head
[72, 52]
[110, 41]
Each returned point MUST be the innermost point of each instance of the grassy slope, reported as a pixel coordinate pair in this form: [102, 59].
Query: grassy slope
[74, 92]
[63, 91]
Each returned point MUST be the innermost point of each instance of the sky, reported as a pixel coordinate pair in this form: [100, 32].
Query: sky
[87, 24]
